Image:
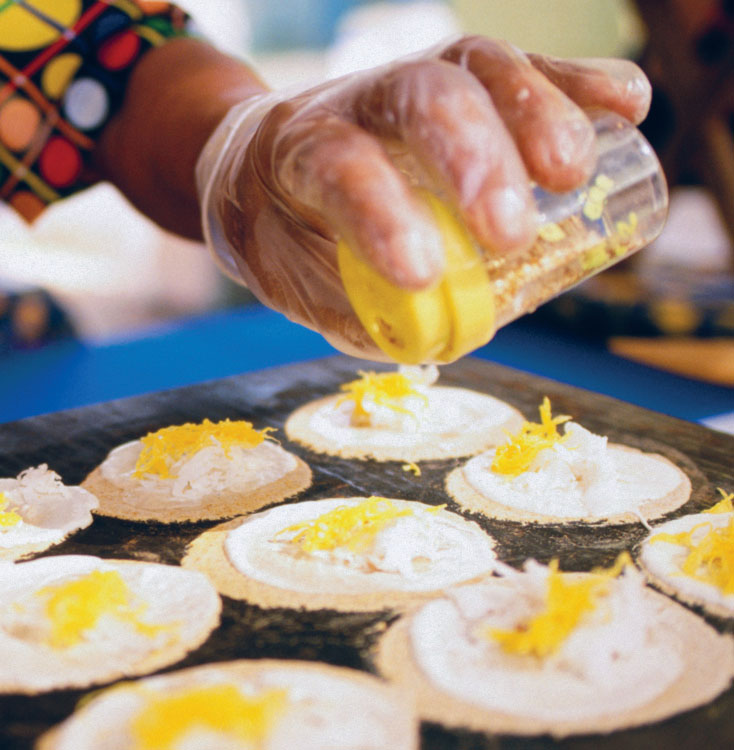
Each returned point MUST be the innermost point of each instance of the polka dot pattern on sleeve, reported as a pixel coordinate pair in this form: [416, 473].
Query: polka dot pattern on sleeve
[64, 66]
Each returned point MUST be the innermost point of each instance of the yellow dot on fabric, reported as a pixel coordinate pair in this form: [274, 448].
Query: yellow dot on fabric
[57, 74]
[21, 29]
[19, 120]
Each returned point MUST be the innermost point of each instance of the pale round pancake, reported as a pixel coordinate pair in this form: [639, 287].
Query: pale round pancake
[333, 707]
[660, 561]
[707, 669]
[468, 497]
[131, 499]
[482, 422]
[257, 570]
[50, 511]
[181, 604]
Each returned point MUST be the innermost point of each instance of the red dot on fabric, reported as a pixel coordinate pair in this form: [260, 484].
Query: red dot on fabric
[119, 51]
[60, 162]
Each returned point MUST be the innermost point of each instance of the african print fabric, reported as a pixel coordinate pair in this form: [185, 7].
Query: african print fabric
[64, 66]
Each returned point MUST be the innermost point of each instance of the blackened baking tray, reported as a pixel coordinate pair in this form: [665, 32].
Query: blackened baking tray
[74, 442]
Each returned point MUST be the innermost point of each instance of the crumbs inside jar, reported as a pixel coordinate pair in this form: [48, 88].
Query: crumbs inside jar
[563, 255]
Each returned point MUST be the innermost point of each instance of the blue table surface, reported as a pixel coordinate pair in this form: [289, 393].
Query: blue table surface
[71, 373]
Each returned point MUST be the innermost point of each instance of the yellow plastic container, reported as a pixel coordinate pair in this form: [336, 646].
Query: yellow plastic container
[580, 233]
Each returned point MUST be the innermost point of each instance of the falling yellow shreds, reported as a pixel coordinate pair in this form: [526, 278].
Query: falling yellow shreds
[413, 467]
[166, 719]
[8, 518]
[74, 607]
[516, 456]
[566, 602]
[353, 527]
[711, 559]
[724, 505]
[384, 389]
[161, 449]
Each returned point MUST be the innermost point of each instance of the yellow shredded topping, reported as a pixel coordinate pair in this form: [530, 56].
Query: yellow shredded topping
[710, 559]
[596, 197]
[626, 230]
[412, 466]
[596, 256]
[385, 389]
[8, 518]
[604, 182]
[724, 505]
[566, 602]
[515, 457]
[166, 719]
[551, 232]
[161, 449]
[76, 606]
[614, 246]
[353, 527]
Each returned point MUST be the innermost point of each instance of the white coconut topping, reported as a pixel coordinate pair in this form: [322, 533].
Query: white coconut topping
[581, 477]
[415, 406]
[615, 659]
[325, 709]
[665, 559]
[424, 551]
[182, 602]
[49, 510]
[206, 472]
[445, 414]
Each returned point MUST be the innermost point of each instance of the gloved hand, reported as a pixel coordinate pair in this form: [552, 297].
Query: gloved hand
[281, 180]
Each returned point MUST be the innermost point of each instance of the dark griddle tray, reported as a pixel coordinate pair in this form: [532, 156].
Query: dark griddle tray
[74, 442]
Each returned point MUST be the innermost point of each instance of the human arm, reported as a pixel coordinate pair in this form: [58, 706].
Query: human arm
[176, 96]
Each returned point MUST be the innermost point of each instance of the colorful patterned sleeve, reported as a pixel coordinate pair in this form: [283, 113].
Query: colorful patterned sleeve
[64, 66]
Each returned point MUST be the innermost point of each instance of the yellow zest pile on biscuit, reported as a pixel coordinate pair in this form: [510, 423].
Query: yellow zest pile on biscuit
[161, 449]
[76, 606]
[8, 518]
[515, 457]
[711, 559]
[384, 389]
[567, 600]
[353, 527]
[221, 708]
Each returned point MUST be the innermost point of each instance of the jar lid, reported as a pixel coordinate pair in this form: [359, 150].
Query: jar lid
[438, 324]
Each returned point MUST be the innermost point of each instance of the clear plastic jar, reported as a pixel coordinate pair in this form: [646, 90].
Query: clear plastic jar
[621, 209]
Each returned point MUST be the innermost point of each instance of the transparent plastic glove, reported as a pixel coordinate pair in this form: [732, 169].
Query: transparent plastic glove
[281, 180]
